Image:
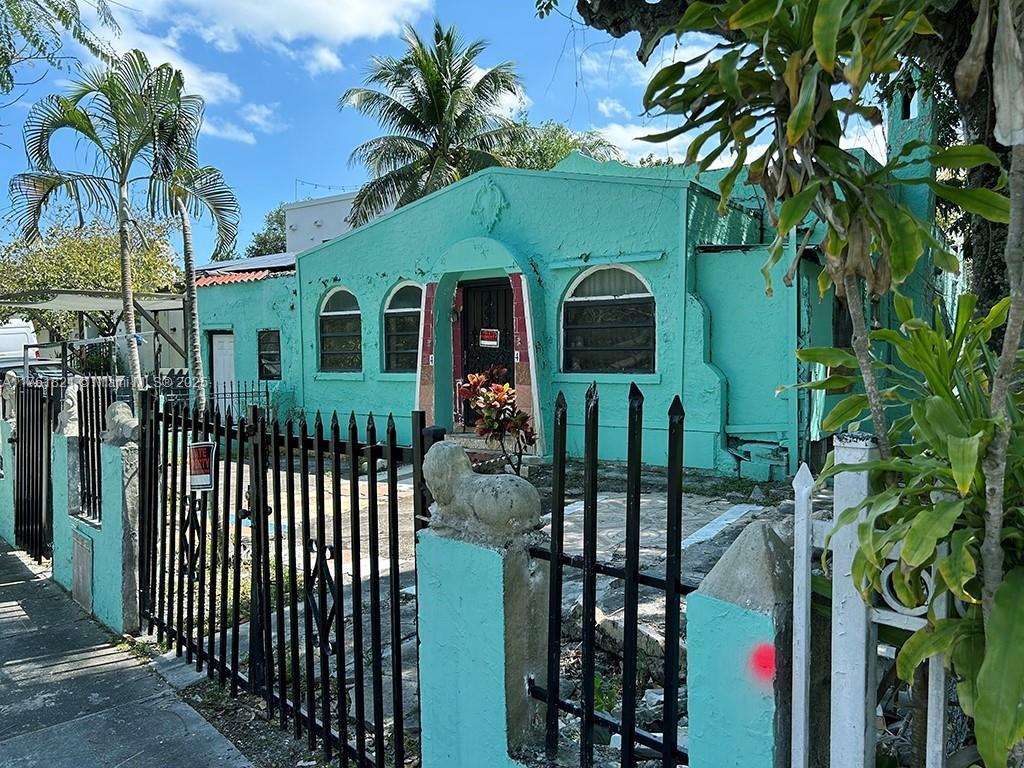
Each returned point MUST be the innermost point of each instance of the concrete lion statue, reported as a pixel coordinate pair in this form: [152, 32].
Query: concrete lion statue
[490, 508]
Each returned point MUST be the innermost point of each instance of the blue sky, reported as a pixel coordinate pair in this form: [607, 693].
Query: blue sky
[272, 72]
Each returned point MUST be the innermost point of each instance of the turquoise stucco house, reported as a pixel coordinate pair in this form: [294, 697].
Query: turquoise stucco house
[589, 272]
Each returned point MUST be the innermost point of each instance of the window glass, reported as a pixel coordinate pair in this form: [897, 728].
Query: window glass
[608, 324]
[268, 354]
[341, 333]
[402, 329]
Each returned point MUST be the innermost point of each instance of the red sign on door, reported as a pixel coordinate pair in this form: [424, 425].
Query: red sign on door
[490, 337]
[200, 465]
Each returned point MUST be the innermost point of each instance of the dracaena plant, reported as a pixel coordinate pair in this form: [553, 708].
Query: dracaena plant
[929, 510]
[791, 74]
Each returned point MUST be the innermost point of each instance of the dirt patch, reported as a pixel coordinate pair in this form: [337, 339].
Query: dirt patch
[243, 721]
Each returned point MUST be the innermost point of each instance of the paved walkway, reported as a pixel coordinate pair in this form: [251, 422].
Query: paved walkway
[70, 697]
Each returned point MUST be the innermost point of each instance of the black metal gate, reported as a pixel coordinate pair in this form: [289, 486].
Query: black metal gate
[303, 545]
[37, 406]
[487, 330]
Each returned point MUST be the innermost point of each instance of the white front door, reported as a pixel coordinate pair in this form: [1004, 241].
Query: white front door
[222, 346]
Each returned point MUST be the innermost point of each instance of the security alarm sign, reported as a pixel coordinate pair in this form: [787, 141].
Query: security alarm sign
[200, 465]
[490, 337]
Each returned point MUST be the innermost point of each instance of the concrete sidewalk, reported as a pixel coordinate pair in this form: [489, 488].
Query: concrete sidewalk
[70, 697]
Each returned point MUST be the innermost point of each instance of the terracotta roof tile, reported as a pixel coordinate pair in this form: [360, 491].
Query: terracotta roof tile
[232, 277]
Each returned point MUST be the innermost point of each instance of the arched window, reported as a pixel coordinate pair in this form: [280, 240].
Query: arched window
[608, 324]
[402, 329]
[341, 332]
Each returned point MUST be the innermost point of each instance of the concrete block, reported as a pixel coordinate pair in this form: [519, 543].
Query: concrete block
[478, 610]
[738, 660]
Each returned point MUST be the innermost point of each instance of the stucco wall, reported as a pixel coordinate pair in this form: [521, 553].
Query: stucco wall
[548, 226]
[246, 308]
[106, 536]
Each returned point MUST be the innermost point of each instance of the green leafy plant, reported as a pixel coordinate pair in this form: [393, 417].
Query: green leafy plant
[928, 511]
[500, 420]
[793, 74]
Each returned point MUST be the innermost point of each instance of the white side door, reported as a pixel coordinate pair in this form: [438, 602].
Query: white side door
[222, 346]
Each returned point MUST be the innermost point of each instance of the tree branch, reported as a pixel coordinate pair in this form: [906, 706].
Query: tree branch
[618, 18]
[862, 351]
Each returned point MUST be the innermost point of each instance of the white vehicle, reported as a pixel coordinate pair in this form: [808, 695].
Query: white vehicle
[14, 335]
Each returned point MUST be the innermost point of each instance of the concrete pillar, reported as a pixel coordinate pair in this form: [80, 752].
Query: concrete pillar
[739, 629]
[6, 482]
[480, 604]
[110, 562]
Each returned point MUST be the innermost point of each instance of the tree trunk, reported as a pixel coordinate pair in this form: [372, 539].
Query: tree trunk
[195, 362]
[862, 351]
[984, 241]
[128, 292]
[994, 464]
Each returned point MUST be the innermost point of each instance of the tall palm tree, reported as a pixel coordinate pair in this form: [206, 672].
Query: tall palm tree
[133, 121]
[190, 191]
[442, 113]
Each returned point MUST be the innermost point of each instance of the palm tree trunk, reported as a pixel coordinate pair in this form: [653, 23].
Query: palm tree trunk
[195, 363]
[127, 292]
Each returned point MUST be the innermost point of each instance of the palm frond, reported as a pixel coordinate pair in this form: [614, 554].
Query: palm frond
[32, 191]
[202, 191]
[391, 113]
[441, 117]
[46, 118]
[387, 153]
[383, 192]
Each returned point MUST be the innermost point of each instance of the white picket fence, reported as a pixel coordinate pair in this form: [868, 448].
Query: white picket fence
[855, 649]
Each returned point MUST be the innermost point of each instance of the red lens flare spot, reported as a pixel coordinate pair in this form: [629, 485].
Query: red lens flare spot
[762, 662]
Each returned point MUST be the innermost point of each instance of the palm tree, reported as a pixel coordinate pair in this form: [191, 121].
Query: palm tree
[442, 114]
[135, 124]
[189, 192]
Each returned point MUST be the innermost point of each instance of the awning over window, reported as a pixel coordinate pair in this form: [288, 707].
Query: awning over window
[89, 301]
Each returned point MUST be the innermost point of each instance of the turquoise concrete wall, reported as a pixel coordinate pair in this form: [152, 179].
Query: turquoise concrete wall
[107, 547]
[462, 654]
[489, 224]
[65, 489]
[6, 484]
[245, 309]
[550, 227]
[730, 673]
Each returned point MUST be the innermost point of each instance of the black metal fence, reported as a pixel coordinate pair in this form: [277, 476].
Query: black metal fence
[37, 404]
[95, 395]
[664, 745]
[236, 397]
[264, 555]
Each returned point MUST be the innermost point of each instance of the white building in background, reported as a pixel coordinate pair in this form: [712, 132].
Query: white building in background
[309, 223]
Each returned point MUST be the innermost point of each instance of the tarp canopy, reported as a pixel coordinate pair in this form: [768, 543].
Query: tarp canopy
[89, 301]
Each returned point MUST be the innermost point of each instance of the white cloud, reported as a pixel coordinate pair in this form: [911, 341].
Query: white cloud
[626, 136]
[316, 27]
[330, 22]
[262, 117]
[612, 108]
[227, 130]
[321, 59]
[213, 86]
